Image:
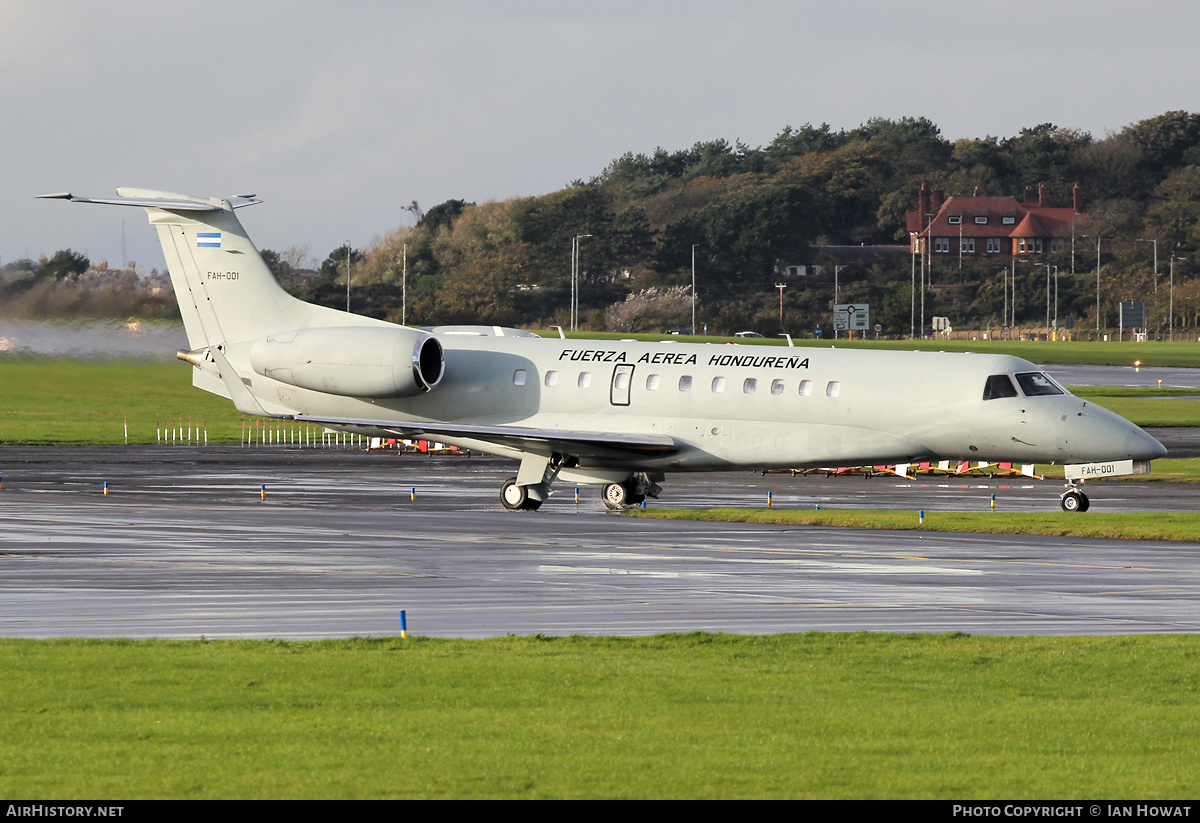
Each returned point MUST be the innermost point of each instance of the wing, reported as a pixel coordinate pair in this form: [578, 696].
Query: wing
[533, 441]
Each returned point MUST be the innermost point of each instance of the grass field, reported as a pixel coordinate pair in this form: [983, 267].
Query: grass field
[809, 715]
[1180, 526]
[51, 401]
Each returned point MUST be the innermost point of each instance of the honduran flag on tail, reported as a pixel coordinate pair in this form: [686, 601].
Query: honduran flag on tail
[208, 240]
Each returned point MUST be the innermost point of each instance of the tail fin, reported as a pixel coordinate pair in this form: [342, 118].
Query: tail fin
[225, 291]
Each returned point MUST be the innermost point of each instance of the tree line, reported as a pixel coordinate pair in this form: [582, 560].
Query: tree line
[745, 213]
[748, 212]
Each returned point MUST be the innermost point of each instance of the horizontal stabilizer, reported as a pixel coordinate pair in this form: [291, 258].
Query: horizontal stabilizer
[149, 198]
[170, 205]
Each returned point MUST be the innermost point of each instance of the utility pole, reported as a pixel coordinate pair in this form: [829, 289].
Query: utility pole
[347, 275]
[781, 287]
[404, 289]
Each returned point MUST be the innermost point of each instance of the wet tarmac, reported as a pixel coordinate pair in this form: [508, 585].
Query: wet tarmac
[184, 545]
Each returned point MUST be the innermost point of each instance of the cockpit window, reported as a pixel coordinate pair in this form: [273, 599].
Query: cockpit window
[999, 385]
[1036, 384]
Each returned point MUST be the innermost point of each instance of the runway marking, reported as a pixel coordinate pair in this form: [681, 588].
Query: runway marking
[813, 565]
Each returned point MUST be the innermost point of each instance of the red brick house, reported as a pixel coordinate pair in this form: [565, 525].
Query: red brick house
[991, 225]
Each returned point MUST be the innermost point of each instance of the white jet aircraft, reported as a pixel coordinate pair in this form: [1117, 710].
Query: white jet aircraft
[621, 414]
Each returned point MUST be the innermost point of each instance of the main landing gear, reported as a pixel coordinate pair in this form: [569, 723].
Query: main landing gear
[516, 498]
[619, 495]
[1074, 500]
[631, 492]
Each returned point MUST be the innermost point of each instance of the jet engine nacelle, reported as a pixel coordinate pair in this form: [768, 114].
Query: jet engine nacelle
[352, 361]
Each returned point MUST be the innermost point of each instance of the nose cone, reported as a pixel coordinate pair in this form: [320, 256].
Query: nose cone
[1094, 434]
[1141, 446]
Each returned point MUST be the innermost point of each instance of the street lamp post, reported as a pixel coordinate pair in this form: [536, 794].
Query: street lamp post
[1004, 316]
[694, 287]
[1171, 304]
[836, 269]
[575, 279]
[1056, 301]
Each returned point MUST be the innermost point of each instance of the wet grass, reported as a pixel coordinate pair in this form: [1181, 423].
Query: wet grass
[698, 715]
[1175, 526]
[62, 402]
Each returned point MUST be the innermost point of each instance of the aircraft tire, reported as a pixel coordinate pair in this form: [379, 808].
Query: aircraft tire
[615, 495]
[1075, 502]
[515, 498]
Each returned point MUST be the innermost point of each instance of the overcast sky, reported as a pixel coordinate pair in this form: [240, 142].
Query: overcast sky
[340, 114]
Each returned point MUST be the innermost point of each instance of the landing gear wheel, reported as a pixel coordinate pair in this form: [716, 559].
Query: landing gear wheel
[515, 498]
[616, 496]
[1075, 502]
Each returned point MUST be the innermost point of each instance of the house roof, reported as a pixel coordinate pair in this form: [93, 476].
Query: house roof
[1025, 219]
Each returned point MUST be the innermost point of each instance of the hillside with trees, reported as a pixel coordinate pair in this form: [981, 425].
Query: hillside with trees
[747, 213]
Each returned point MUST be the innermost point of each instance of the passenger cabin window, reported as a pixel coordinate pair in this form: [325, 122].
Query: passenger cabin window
[652, 382]
[718, 384]
[685, 383]
[1037, 384]
[585, 379]
[805, 388]
[776, 387]
[750, 385]
[833, 389]
[519, 377]
[551, 378]
[998, 385]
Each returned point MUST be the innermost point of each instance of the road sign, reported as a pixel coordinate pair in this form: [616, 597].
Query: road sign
[1133, 315]
[852, 317]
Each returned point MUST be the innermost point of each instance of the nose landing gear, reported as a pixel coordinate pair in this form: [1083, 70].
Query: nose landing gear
[1074, 500]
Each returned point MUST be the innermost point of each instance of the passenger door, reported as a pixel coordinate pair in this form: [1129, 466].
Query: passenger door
[622, 379]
